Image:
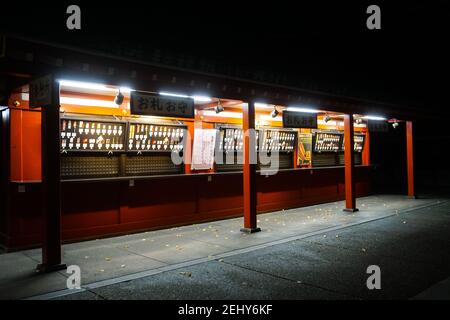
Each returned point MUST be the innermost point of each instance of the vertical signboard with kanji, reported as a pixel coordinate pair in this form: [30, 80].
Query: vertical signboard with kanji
[149, 104]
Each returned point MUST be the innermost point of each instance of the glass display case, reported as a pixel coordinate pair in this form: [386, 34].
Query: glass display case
[231, 146]
[278, 140]
[358, 142]
[328, 148]
[327, 142]
[146, 137]
[82, 135]
[102, 146]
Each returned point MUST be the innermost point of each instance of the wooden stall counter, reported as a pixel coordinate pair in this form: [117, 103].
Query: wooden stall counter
[94, 208]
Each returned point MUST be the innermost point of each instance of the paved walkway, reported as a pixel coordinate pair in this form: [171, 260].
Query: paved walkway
[112, 262]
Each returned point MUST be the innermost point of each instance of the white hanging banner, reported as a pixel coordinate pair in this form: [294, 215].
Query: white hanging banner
[203, 149]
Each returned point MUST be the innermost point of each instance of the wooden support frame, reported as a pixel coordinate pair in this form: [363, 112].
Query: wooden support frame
[410, 159]
[366, 151]
[249, 169]
[51, 186]
[349, 156]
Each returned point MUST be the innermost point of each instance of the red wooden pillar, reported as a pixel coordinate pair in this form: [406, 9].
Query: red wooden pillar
[249, 168]
[366, 151]
[51, 187]
[410, 159]
[349, 156]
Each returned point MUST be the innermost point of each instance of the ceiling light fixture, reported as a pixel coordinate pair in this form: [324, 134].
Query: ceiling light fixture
[274, 112]
[118, 99]
[219, 108]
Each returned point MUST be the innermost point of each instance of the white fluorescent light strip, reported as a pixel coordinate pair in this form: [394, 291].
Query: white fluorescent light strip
[202, 98]
[263, 106]
[93, 86]
[269, 118]
[223, 114]
[88, 102]
[307, 110]
[374, 118]
[173, 95]
[196, 98]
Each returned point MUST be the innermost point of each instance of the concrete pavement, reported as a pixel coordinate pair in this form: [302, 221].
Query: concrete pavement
[316, 252]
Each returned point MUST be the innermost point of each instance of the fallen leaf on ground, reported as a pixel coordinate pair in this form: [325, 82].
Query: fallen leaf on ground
[187, 274]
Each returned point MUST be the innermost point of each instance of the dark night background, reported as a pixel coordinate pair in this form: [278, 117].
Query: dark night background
[316, 45]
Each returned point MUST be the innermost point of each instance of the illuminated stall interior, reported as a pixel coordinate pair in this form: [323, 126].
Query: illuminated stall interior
[100, 138]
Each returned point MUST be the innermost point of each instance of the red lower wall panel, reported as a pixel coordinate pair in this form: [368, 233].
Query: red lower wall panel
[98, 209]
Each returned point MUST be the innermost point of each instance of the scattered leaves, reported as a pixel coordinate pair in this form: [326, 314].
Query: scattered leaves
[187, 274]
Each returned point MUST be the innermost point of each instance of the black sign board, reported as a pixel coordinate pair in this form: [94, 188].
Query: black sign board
[378, 126]
[150, 104]
[41, 91]
[293, 119]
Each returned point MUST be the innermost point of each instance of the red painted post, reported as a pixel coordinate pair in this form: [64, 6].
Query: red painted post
[51, 187]
[249, 168]
[366, 151]
[410, 159]
[349, 156]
